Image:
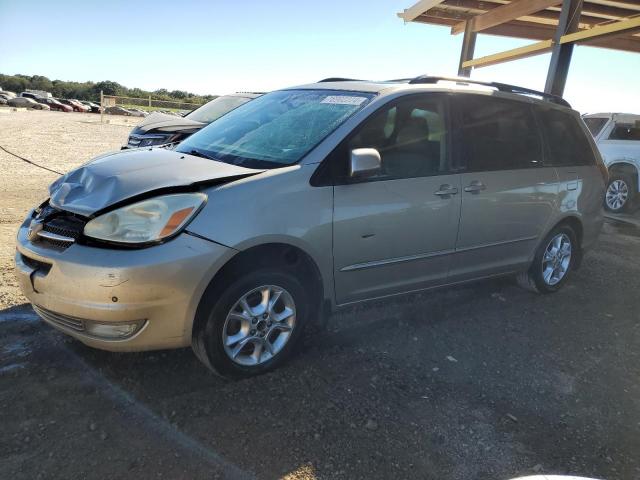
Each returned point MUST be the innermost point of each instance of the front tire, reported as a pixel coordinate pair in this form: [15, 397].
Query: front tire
[553, 262]
[620, 193]
[252, 325]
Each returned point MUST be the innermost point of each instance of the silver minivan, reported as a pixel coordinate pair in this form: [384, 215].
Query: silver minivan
[307, 199]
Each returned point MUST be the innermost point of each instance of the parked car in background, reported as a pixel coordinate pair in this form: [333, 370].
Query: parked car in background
[37, 93]
[54, 104]
[29, 95]
[95, 108]
[618, 138]
[8, 94]
[117, 110]
[26, 102]
[160, 128]
[136, 112]
[74, 104]
[308, 199]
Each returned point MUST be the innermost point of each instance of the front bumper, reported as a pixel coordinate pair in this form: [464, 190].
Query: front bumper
[159, 286]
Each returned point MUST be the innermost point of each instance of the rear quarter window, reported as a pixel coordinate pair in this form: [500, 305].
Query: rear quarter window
[595, 124]
[625, 132]
[566, 141]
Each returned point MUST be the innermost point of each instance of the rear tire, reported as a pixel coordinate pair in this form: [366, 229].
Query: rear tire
[553, 262]
[223, 322]
[620, 192]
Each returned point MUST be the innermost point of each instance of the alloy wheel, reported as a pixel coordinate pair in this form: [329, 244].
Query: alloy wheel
[617, 194]
[556, 259]
[259, 325]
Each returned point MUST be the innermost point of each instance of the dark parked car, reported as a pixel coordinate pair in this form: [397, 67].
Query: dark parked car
[117, 110]
[26, 102]
[160, 128]
[136, 112]
[31, 95]
[54, 104]
[95, 108]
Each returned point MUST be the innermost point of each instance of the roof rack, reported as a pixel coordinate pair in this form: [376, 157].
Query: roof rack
[340, 79]
[502, 87]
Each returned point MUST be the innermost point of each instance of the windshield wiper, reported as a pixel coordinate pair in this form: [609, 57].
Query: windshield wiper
[198, 153]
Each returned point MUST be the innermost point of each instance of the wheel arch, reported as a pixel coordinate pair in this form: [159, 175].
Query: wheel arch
[575, 223]
[627, 167]
[265, 255]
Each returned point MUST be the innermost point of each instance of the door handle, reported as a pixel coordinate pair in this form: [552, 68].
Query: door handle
[475, 187]
[446, 190]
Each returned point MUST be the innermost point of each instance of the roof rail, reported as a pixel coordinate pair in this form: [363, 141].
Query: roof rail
[339, 79]
[502, 87]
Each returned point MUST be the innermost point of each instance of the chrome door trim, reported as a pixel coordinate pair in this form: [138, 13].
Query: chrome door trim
[388, 261]
[496, 244]
[411, 258]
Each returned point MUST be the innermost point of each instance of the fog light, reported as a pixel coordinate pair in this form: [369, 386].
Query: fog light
[113, 331]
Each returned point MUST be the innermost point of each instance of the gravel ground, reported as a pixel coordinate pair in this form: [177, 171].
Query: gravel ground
[484, 381]
[60, 141]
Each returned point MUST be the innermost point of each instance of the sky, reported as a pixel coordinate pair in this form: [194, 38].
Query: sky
[217, 47]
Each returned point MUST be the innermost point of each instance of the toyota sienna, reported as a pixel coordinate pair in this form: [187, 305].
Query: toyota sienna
[307, 199]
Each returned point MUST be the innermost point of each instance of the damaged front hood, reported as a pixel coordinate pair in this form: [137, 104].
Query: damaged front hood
[163, 121]
[113, 178]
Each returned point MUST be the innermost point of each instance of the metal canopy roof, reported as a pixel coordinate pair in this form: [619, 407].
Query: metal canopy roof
[534, 19]
[557, 25]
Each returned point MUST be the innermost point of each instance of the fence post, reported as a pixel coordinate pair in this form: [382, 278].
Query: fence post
[149, 101]
[101, 106]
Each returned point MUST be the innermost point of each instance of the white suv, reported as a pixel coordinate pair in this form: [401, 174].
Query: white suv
[618, 138]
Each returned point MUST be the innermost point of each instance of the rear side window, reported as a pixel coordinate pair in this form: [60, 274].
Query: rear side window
[498, 134]
[595, 124]
[567, 142]
[625, 132]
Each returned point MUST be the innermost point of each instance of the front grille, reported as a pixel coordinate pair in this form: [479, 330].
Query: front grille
[65, 226]
[61, 224]
[64, 321]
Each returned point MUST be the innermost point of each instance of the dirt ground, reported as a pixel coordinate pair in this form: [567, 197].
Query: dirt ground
[484, 381]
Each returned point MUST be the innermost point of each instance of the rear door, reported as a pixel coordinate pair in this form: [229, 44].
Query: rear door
[570, 150]
[508, 194]
[395, 231]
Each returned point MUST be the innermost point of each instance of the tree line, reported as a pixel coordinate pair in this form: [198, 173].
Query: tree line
[91, 90]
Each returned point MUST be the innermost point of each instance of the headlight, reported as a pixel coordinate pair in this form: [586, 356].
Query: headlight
[138, 141]
[147, 221]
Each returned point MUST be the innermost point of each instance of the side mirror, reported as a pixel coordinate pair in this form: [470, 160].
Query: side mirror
[364, 162]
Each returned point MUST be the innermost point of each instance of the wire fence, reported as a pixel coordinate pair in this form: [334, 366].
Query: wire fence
[140, 107]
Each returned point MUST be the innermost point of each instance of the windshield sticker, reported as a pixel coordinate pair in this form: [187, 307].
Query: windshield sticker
[343, 100]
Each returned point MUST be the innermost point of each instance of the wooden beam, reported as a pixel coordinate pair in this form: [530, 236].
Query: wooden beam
[596, 34]
[411, 13]
[504, 13]
[543, 32]
[615, 28]
[625, 44]
[630, 5]
[515, 54]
